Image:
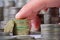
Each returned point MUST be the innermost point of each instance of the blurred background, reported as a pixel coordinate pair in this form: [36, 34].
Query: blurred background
[8, 9]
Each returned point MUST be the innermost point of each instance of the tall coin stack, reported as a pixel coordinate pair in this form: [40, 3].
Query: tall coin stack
[6, 4]
[54, 15]
[20, 3]
[50, 31]
[12, 12]
[1, 12]
[9, 3]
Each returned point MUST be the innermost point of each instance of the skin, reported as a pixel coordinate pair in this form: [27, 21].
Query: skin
[30, 10]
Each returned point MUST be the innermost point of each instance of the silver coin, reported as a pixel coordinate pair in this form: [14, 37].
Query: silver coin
[50, 31]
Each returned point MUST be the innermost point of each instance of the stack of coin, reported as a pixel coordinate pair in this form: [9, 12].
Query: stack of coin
[1, 3]
[27, 1]
[12, 12]
[46, 18]
[54, 20]
[20, 3]
[25, 38]
[6, 12]
[54, 15]
[3, 23]
[21, 27]
[1, 10]
[17, 27]
[8, 28]
[1, 13]
[9, 3]
[50, 31]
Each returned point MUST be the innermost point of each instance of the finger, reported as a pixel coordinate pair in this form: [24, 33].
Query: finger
[35, 24]
[32, 6]
[52, 3]
[36, 5]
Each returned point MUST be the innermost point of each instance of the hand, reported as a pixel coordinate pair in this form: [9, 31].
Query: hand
[30, 10]
[36, 5]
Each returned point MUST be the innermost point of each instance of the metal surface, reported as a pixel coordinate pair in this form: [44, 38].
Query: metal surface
[50, 31]
[22, 37]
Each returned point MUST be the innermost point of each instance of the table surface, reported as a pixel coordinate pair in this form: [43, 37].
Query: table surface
[20, 36]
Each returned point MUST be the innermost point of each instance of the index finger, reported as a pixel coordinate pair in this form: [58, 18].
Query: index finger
[32, 6]
[35, 6]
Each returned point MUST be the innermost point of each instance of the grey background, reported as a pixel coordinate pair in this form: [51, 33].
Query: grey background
[10, 8]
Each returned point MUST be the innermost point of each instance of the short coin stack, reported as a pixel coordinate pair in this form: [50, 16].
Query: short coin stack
[17, 27]
[50, 31]
[21, 27]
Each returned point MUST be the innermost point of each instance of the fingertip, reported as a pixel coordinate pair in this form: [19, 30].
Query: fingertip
[17, 16]
[20, 16]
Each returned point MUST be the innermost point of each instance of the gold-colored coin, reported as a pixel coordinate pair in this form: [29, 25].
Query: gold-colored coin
[9, 26]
